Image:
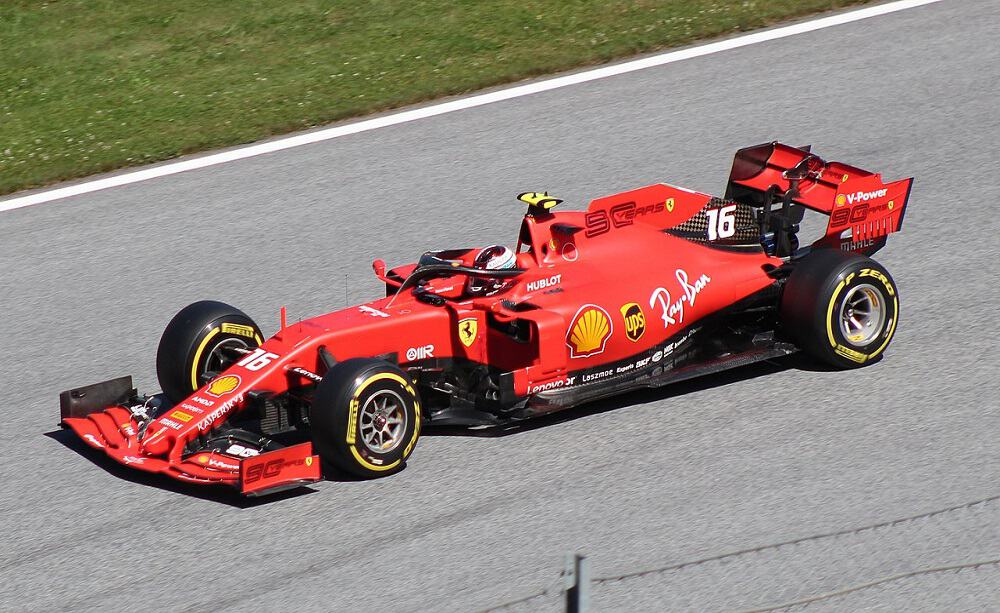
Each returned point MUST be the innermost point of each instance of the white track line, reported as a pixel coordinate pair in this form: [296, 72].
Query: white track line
[456, 105]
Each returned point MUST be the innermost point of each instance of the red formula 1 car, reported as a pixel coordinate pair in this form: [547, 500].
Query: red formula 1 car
[644, 288]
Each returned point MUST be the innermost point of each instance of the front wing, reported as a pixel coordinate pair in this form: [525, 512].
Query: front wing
[107, 424]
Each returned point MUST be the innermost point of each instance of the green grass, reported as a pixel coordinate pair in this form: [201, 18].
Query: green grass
[93, 85]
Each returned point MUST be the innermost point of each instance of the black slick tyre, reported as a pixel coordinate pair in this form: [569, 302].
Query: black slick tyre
[365, 417]
[194, 343]
[840, 307]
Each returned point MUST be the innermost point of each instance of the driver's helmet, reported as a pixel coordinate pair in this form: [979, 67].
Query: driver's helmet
[494, 257]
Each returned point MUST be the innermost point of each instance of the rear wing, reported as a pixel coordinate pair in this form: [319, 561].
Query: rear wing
[863, 210]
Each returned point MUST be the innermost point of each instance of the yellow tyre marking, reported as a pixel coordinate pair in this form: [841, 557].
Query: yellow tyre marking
[369, 465]
[353, 414]
[829, 313]
[238, 329]
[197, 357]
[416, 430]
[851, 354]
[867, 272]
[259, 340]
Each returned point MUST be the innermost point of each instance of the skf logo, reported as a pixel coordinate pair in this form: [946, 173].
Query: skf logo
[589, 332]
[419, 353]
[468, 329]
[635, 321]
[224, 385]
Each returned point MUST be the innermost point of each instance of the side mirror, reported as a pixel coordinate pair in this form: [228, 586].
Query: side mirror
[379, 267]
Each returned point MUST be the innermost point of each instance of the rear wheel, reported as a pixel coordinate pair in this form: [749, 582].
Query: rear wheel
[365, 417]
[196, 341]
[841, 308]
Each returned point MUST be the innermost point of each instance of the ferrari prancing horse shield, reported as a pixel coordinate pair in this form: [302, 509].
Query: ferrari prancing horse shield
[467, 330]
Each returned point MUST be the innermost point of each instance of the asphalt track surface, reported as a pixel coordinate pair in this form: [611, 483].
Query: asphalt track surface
[765, 455]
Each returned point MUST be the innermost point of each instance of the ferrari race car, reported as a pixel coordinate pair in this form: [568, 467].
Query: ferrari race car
[644, 288]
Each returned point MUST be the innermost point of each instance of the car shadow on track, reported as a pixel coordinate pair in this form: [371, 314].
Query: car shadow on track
[796, 361]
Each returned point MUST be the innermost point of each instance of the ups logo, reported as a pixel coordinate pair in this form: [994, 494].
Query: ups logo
[635, 321]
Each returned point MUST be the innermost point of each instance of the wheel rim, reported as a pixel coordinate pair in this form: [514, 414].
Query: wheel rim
[862, 314]
[383, 421]
[217, 361]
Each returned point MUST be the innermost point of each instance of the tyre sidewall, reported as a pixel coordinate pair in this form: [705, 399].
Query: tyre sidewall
[335, 417]
[811, 299]
[855, 273]
[188, 339]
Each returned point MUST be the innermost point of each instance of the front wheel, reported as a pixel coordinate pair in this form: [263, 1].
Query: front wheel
[365, 417]
[840, 307]
[195, 342]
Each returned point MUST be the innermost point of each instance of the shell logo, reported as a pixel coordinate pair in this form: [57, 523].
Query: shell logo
[589, 333]
[224, 385]
[841, 200]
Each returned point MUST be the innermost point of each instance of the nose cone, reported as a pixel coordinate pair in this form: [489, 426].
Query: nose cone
[157, 443]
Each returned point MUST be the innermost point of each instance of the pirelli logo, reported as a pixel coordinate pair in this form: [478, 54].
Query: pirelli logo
[238, 330]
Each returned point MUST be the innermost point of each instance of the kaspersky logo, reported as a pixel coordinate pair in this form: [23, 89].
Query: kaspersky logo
[860, 196]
